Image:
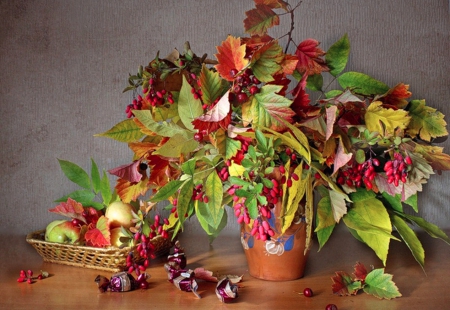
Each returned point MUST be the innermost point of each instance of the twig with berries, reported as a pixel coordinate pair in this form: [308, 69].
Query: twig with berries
[27, 276]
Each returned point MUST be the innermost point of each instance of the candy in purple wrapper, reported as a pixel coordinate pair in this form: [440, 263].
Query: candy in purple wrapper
[177, 259]
[119, 282]
[226, 291]
[184, 280]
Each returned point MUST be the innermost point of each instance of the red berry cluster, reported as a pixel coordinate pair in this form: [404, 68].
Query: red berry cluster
[199, 194]
[174, 208]
[28, 276]
[397, 168]
[357, 175]
[244, 84]
[288, 180]
[145, 248]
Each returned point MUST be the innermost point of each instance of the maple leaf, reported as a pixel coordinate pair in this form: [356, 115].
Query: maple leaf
[161, 171]
[267, 108]
[434, 155]
[99, 236]
[380, 285]
[289, 64]
[343, 284]
[212, 85]
[130, 191]
[385, 121]
[301, 100]
[425, 121]
[71, 208]
[231, 56]
[309, 58]
[260, 19]
[129, 172]
[360, 272]
[274, 4]
[218, 117]
[396, 96]
[266, 61]
[140, 149]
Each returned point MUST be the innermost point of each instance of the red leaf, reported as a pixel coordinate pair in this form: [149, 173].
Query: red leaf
[218, 116]
[71, 208]
[300, 104]
[360, 272]
[161, 171]
[260, 19]
[396, 97]
[274, 4]
[100, 235]
[309, 58]
[341, 281]
[129, 172]
[203, 274]
[231, 56]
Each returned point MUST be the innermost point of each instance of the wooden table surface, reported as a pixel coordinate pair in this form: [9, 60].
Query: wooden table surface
[74, 288]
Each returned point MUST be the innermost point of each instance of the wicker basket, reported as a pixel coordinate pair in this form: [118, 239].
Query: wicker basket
[109, 259]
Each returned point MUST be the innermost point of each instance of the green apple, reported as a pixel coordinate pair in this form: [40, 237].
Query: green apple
[119, 214]
[62, 231]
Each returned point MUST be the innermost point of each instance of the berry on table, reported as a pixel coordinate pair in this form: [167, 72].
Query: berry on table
[331, 307]
[308, 292]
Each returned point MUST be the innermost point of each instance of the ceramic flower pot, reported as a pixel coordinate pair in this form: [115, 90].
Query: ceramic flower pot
[280, 258]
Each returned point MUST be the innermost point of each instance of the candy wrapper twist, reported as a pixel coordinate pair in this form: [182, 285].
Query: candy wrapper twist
[121, 282]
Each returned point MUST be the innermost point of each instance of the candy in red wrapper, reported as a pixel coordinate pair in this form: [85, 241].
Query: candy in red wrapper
[183, 279]
[120, 282]
[226, 291]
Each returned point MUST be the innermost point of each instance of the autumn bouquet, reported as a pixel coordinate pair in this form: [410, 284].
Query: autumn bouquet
[210, 134]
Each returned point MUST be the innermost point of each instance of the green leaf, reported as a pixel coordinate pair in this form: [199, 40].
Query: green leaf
[188, 167]
[261, 139]
[267, 108]
[189, 108]
[212, 85]
[125, 131]
[394, 201]
[165, 129]
[166, 191]
[75, 173]
[95, 176]
[231, 147]
[105, 189]
[362, 83]
[426, 121]
[380, 285]
[337, 55]
[323, 235]
[314, 82]
[214, 192]
[410, 238]
[176, 146]
[433, 230]
[184, 199]
[369, 218]
[412, 201]
[83, 196]
[266, 61]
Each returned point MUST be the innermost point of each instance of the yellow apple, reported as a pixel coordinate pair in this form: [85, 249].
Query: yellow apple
[119, 214]
[116, 234]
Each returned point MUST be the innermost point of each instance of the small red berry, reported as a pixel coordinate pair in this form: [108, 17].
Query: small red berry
[331, 307]
[198, 137]
[308, 292]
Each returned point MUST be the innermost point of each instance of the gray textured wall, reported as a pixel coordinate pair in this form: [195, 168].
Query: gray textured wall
[64, 65]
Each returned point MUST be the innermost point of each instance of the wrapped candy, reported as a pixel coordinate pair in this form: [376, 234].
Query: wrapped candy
[121, 282]
[177, 259]
[183, 279]
[226, 291]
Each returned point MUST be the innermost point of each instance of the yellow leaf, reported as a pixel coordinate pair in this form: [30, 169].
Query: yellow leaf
[236, 170]
[296, 193]
[385, 121]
